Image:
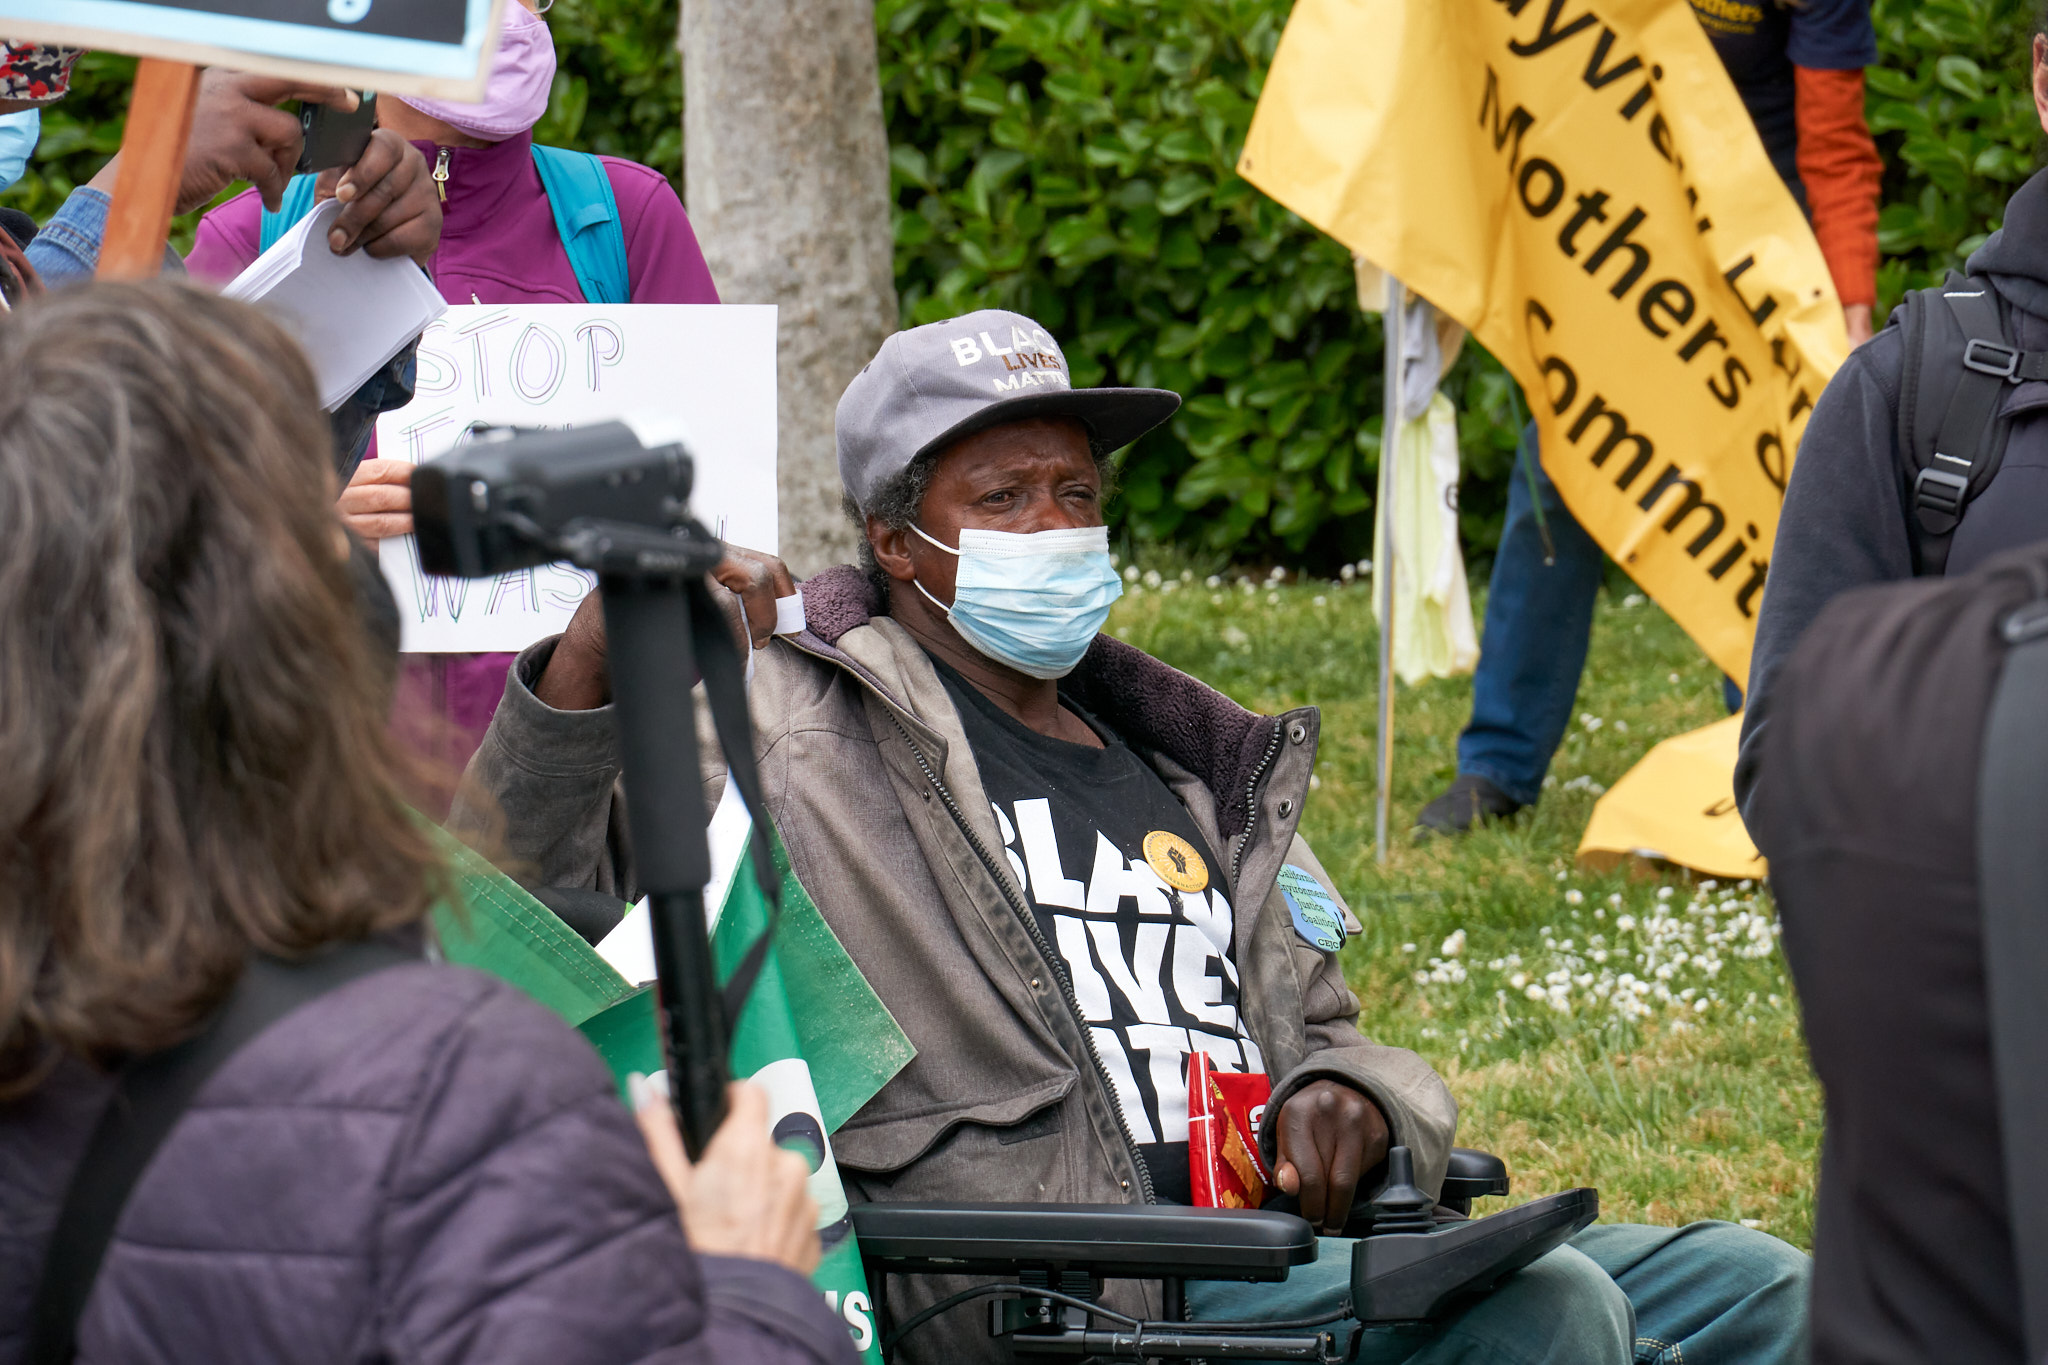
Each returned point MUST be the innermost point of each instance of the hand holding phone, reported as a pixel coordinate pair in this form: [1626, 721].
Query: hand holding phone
[336, 138]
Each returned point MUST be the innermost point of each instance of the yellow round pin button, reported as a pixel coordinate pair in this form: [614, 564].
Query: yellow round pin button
[1176, 861]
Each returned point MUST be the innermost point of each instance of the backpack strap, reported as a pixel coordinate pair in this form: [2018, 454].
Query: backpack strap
[587, 218]
[150, 1096]
[1960, 362]
[298, 202]
[2012, 877]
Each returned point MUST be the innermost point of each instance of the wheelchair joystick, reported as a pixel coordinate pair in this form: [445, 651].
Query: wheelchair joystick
[1401, 1206]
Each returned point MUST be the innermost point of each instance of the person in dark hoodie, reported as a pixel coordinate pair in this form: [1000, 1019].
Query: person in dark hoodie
[420, 1164]
[1849, 518]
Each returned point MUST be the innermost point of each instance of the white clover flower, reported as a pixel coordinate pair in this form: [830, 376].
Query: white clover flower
[1621, 727]
[1315, 784]
[1634, 599]
[1407, 947]
[1215, 599]
[1272, 599]
[1455, 944]
[1534, 992]
[1519, 980]
[1320, 600]
[1131, 574]
[1152, 578]
[1663, 893]
[1187, 575]
[1700, 1006]
[1615, 900]
[1560, 874]
[1674, 680]
[1422, 978]
[1498, 964]
[1708, 885]
[1212, 581]
[1347, 573]
[1624, 923]
[1574, 896]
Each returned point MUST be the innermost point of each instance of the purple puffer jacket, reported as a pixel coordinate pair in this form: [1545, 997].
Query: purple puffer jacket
[420, 1166]
[498, 245]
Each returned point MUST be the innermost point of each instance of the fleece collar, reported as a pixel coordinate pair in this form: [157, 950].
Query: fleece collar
[1149, 704]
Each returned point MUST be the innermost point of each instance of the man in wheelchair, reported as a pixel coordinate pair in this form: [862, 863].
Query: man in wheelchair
[1066, 867]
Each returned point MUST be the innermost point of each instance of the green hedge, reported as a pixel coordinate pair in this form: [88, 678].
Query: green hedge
[1074, 160]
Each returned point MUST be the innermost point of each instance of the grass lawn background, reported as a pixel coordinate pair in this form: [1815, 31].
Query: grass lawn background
[1631, 1032]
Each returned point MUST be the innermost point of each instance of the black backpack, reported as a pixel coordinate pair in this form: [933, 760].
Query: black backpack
[1961, 358]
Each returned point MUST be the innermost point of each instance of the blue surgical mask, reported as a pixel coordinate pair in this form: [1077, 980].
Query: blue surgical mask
[1034, 602]
[18, 134]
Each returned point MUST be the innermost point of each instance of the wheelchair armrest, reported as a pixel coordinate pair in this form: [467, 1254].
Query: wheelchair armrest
[1108, 1241]
[1417, 1276]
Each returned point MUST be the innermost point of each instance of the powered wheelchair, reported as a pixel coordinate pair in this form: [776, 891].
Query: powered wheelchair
[1414, 1259]
[1412, 1263]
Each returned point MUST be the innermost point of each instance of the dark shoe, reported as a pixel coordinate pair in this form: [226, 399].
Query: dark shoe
[1464, 804]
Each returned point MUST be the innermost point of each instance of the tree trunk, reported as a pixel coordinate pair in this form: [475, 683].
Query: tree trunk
[786, 165]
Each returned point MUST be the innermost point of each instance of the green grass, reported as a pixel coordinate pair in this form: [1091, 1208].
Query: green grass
[1675, 1109]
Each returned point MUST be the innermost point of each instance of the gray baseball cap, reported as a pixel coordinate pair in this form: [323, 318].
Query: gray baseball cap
[932, 385]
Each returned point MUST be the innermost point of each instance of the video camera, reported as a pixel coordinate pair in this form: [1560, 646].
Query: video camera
[512, 498]
[604, 500]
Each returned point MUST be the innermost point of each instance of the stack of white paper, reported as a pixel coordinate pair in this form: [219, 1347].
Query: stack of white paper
[351, 313]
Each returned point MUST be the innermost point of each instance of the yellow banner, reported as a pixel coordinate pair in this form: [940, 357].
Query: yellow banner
[1578, 183]
[1678, 806]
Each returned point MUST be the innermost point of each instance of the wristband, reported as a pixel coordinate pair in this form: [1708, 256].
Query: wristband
[789, 614]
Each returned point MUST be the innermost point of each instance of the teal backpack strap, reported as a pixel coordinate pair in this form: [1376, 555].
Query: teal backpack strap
[298, 202]
[587, 217]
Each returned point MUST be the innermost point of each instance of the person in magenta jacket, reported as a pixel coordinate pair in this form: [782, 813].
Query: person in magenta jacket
[498, 245]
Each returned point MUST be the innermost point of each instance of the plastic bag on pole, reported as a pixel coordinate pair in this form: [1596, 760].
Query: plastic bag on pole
[1434, 636]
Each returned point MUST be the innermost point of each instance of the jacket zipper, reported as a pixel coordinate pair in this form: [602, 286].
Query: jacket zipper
[1057, 966]
[1251, 805]
[441, 174]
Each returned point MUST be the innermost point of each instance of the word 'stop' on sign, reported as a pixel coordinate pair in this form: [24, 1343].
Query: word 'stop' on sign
[421, 47]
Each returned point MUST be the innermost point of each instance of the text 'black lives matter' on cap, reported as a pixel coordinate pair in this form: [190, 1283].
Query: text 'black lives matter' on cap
[932, 385]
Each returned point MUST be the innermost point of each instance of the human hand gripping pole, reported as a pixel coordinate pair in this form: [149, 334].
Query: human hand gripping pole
[599, 498]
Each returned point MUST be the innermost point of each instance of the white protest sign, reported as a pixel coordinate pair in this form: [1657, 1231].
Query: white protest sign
[708, 367]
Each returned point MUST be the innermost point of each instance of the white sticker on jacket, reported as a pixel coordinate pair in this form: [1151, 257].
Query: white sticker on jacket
[1316, 915]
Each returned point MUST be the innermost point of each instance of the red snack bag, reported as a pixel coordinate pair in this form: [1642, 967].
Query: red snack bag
[1225, 1110]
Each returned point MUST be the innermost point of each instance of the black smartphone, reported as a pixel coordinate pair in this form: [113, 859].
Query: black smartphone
[334, 138]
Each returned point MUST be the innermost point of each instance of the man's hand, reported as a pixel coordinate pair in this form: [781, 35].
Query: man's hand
[239, 133]
[1857, 317]
[576, 678]
[1329, 1136]
[757, 580]
[390, 208]
[378, 501]
[747, 1197]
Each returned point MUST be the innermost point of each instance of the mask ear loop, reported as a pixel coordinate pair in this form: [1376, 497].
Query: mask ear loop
[940, 544]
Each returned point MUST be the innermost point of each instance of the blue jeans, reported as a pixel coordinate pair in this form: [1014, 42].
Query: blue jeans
[1539, 621]
[1617, 1294]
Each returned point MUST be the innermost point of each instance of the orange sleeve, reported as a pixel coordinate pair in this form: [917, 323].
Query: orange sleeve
[1839, 165]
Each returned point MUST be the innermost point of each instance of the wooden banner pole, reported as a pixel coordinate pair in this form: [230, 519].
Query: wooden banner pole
[152, 166]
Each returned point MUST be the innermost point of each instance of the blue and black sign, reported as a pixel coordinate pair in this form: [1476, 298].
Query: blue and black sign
[421, 46]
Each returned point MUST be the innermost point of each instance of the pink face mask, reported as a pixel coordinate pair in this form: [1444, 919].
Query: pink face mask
[516, 95]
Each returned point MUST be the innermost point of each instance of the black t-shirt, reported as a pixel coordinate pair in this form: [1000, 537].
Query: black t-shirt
[1129, 896]
[1760, 41]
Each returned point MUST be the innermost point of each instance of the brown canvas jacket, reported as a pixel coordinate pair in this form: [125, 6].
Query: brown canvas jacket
[867, 773]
